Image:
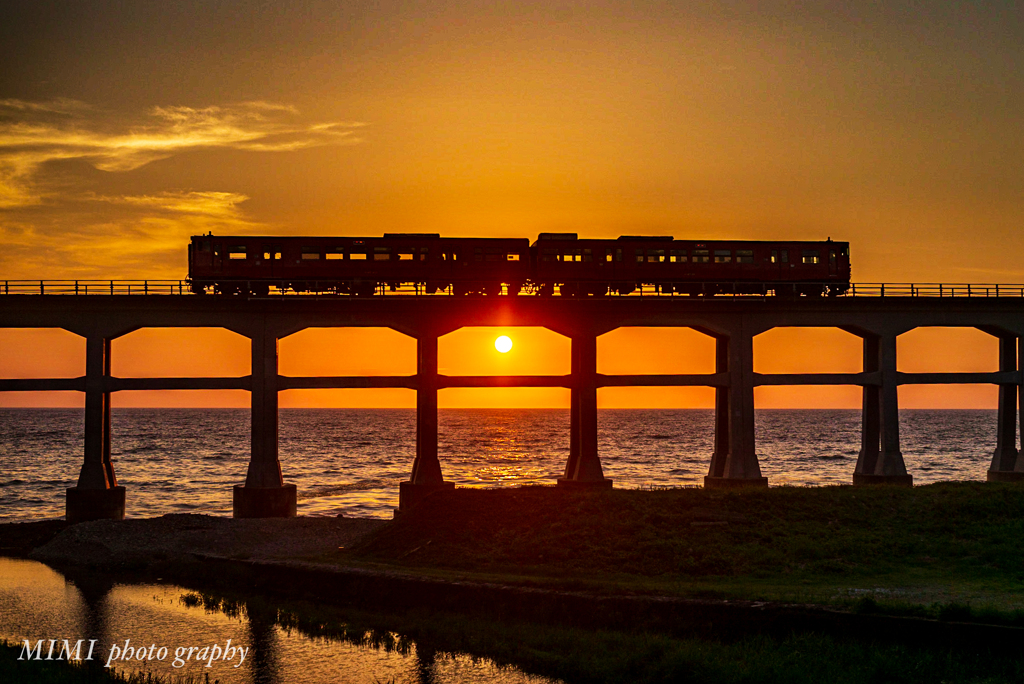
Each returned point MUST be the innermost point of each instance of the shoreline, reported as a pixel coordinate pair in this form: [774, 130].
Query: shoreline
[421, 560]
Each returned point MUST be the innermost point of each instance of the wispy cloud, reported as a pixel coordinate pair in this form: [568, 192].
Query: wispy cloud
[96, 236]
[33, 133]
[55, 225]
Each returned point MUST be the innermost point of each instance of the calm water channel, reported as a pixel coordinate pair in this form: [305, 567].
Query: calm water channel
[37, 602]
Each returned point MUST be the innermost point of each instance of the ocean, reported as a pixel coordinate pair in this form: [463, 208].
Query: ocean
[350, 461]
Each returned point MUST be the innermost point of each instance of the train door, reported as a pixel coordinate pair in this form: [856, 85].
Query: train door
[833, 262]
[218, 257]
[780, 264]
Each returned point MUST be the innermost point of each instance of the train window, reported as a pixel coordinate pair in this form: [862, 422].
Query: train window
[204, 245]
[832, 256]
[701, 256]
[639, 255]
[357, 256]
[845, 251]
[405, 256]
[810, 256]
[655, 256]
[677, 255]
[237, 252]
[310, 253]
[618, 255]
[607, 255]
[784, 256]
[216, 249]
[549, 254]
[744, 256]
[334, 253]
[588, 255]
[382, 254]
[493, 254]
[512, 257]
[775, 256]
[723, 256]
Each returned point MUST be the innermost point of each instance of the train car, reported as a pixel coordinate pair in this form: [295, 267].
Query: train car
[694, 267]
[357, 265]
[589, 267]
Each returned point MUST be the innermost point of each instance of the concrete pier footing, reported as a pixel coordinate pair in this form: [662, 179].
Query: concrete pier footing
[410, 494]
[264, 502]
[94, 504]
[1005, 476]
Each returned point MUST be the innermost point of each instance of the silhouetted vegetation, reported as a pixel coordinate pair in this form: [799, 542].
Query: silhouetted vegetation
[62, 672]
[938, 544]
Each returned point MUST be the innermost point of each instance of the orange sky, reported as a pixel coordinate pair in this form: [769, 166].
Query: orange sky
[895, 126]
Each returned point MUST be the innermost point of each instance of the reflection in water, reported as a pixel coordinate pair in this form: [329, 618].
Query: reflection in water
[263, 638]
[425, 658]
[38, 603]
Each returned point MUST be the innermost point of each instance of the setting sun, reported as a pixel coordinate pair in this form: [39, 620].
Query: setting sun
[503, 344]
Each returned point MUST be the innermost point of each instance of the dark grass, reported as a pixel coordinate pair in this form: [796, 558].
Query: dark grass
[605, 656]
[798, 541]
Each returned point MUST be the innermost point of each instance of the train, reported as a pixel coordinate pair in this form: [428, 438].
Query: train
[555, 262]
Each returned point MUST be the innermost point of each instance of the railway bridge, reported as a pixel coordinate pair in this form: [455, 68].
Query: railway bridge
[874, 316]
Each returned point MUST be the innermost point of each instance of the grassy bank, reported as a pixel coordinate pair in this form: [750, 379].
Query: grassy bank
[580, 656]
[931, 547]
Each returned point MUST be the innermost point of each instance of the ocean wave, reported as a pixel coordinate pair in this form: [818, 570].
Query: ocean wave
[360, 486]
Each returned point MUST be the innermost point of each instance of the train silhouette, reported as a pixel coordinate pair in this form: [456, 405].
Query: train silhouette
[562, 262]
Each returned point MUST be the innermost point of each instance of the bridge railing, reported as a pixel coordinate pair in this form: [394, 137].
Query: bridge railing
[935, 290]
[95, 287]
[328, 288]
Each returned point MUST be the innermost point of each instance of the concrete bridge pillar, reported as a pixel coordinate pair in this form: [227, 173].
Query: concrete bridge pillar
[880, 460]
[426, 469]
[264, 494]
[583, 469]
[97, 495]
[734, 463]
[1006, 466]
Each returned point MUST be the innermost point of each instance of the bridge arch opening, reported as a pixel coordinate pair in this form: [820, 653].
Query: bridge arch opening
[655, 435]
[47, 445]
[346, 450]
[180, 353]
[369, 432]
[947, 350]
[535, 350]
[30, 353]
[487, 443]
[346, 351]
[503, 433]
[179, 450]
[655, 351]
[807, 434]
[955, 425]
